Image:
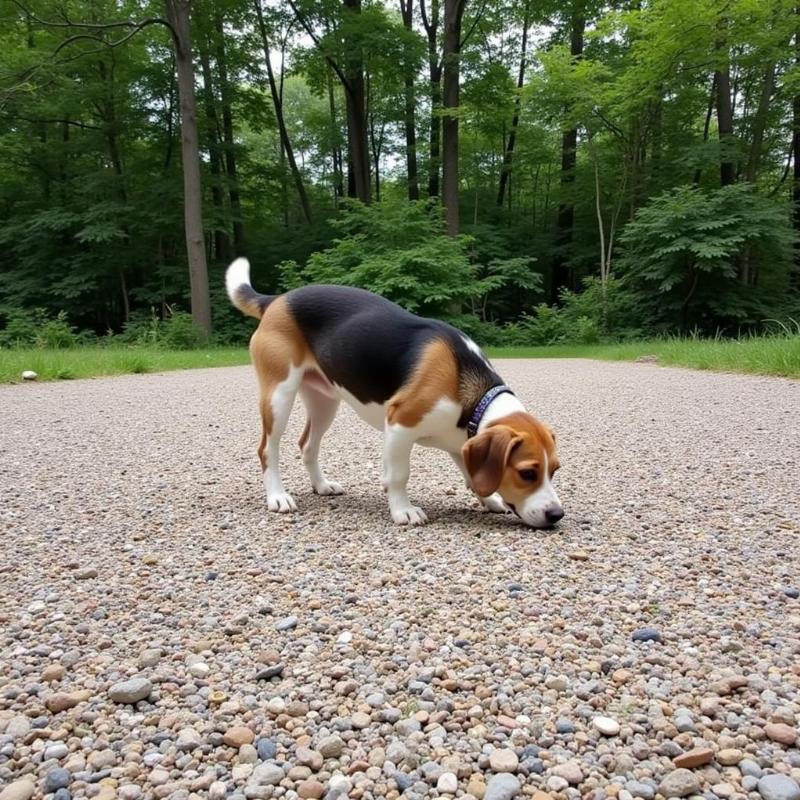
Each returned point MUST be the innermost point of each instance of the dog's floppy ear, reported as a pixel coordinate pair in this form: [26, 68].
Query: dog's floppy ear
[486, 455]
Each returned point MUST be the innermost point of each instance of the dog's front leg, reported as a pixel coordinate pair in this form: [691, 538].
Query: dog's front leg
[493, 502]
[397, 444]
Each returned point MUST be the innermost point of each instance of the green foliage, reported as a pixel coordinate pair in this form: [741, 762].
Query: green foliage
[36, 328]
[687, 247]
[397, 250]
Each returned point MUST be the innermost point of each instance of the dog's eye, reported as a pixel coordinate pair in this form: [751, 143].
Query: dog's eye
[528, 474]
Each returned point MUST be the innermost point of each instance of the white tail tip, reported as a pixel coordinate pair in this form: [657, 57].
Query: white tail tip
[238, 273]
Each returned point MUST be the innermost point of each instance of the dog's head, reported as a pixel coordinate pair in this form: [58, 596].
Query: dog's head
[516, 457]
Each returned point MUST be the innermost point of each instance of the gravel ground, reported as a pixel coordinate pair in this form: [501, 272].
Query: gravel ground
[162, 636]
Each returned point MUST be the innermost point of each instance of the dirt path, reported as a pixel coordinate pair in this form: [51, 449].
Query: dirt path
[134, 521]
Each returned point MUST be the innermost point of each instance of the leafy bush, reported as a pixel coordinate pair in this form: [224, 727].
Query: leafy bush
[22, 327]
[176, 332]
[399, 250]
[180, 332]
[709, 258]
[26, 328]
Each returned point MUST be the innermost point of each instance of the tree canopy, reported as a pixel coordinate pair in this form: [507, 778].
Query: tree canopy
[624, 167]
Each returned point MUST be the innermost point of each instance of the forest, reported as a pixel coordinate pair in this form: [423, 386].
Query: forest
[534, 171]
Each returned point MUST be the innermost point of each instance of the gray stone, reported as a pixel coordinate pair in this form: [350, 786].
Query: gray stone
[286, 624]
[130, 691]
[502, 787]
[266, 775]
[679, 783]
[57, 750]
[639, 789]
[266, 749]
[778, 787]
[647, 635]
[55, 779]
[749, 767]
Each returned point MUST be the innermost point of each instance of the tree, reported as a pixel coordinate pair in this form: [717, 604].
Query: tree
[453, 15]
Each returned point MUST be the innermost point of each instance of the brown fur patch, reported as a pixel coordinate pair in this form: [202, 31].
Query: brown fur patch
[512, 443]
[434, 377]
[276, 345]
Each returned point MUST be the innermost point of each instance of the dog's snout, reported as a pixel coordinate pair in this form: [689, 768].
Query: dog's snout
[554, 514]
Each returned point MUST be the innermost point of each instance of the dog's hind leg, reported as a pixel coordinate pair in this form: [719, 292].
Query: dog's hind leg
[321, 410]
[279, 406]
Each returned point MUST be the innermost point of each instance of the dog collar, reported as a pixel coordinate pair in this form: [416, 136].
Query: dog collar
[483, 404]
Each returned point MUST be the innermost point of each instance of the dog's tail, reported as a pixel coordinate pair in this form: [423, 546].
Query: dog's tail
[241, 293]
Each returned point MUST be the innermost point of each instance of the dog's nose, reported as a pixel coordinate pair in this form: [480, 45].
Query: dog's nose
[554, 514]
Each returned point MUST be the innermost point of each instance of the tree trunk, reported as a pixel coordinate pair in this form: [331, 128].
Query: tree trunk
[727, 167]
[760, 124]
[508, 156]
[178, 16]
[569, 144]
[221, 243]
[277, 102]
[795, 276]
[407, 12]
[453, 13]
[336, 150]
[355, 96]
[707, 127]
[227, 134]
[435, 80]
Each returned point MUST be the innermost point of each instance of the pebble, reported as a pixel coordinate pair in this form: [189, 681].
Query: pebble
[237, 736]
[679, 783]
[503, 760]
[729, 757]
[286, 624]
[647, 635]
[570, 771]
[28, 375]
[266, 749]
[781, 733]
[310, 789]
[333, 747]
[58, 778]
[695, 757]
[131, 691]
[22, 789]
[503, 786]
[778, 787]
[606, 725]
[447, 783]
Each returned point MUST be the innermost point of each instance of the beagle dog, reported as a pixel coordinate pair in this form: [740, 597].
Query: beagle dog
[420, 381]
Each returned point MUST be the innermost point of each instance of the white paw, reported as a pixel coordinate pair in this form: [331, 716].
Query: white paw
[326, 487]
[282, 502]
[409, 515]
[494, 503]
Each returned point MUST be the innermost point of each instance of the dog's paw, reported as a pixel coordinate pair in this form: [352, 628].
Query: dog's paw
[409, 515]
[281, 502]
[326, 487]
[494, 503]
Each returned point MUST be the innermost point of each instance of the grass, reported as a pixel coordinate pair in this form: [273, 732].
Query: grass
[88, 362]
[764, 355]
[775, 355]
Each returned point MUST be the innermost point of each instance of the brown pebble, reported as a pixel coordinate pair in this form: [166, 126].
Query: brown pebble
[61, 701]
[781, 733]
[53, 672]
[694, 758]
[237, 736]
[311, 789]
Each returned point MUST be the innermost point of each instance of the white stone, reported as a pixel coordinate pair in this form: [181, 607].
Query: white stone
[447, 783]
[606, 726]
